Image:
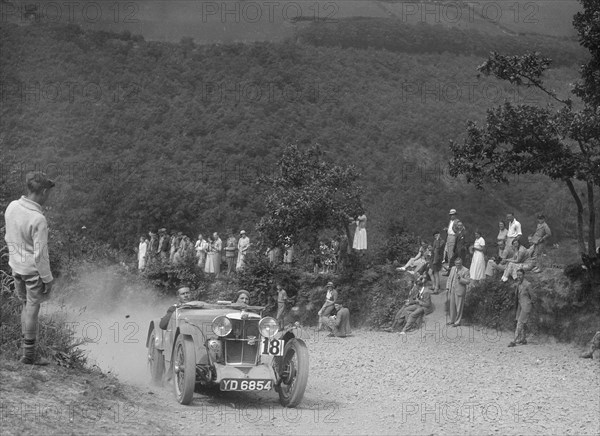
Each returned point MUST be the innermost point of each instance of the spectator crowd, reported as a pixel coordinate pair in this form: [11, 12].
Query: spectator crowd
[176, 249]
[466, 264]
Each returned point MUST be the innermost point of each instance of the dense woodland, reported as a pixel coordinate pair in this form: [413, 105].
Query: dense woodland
[142, 134]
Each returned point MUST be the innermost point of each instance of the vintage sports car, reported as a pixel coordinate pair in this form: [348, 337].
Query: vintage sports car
[231, 346]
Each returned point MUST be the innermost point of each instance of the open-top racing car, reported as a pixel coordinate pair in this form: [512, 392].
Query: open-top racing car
[228, 345]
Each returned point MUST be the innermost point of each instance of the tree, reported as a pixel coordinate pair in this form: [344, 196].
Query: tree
[563, 143]
[308, 194]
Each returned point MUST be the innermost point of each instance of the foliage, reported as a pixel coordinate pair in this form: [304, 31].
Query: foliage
[398, 36]
[518, 139]
[55, 340]
[491, 303]
[556, 312]
[308, 194]
[181, 148]
[167, 278]
[399, 246]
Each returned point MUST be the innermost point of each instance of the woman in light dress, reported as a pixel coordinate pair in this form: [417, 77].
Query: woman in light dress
[209, 265]
[142, 253]
[360, 234]
[477, 270]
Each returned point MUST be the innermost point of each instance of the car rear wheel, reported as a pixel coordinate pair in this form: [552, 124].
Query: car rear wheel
[293, 371]
[156, 361]
[184, 369]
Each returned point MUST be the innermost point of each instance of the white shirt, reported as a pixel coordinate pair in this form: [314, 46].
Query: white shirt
[514, 229]
[450, 229]
[27, 239]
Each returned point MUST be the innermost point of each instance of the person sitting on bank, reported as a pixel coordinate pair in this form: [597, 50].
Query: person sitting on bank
[328, 305]
[339, 324]
[413, 261]
[410, 304]
[521, 259]
[594, 345]
[499, 262]
[184, 295]
[424, 307]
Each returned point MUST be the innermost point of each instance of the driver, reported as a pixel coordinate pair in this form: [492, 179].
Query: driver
[243, 297]
[184, 295]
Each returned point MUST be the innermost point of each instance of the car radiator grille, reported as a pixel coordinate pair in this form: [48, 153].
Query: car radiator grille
[237, 349]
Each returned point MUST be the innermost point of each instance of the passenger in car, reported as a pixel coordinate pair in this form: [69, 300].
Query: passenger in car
[184, 295]
[243, 297]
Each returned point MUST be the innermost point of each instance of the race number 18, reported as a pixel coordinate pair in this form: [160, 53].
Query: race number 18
[273, 347]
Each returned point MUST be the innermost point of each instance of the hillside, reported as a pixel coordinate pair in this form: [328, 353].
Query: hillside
[147, 134]
[244, 21]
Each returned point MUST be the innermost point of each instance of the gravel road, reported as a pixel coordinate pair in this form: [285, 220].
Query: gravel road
[437, 380]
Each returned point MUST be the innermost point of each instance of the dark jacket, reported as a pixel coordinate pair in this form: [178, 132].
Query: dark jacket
[164, 321]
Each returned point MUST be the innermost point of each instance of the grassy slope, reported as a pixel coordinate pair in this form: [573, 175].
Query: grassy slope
[56, 400]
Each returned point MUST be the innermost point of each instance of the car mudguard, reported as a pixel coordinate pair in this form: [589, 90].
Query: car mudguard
[199, 341]
[159, 334]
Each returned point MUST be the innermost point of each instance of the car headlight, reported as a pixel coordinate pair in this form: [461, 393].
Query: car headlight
[268, 327]
[221, 326]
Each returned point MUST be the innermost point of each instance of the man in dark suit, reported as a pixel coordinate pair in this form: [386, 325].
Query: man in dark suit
[409, 305]
[184, 295]
[523, 301]
[456, 287]
[424, 307]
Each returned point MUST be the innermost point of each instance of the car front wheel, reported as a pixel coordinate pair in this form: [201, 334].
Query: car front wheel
[184, 369]
[293, 372]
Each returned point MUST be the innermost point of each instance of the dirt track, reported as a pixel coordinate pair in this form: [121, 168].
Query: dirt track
[439, 379]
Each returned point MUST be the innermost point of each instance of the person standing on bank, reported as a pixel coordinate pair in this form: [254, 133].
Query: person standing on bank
[451, 239]
[282, 299]
[28, 256]
[456, 287]
[514, 229]
[243, 245]
[477, 270]
[142, 253]
[360, 234]
[523, 303]
[230, 247]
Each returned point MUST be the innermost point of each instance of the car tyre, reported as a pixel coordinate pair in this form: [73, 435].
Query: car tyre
[156, 361]
[184, 369]
[293, 373]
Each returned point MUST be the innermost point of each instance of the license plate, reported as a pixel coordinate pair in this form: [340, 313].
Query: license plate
[246, 385]
[273, 347]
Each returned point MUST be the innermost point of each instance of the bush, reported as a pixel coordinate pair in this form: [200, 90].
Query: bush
[555, 311]
[55, 340]
[167, 278]
[491, 303]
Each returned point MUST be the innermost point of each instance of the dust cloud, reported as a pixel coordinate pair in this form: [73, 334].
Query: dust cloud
[111, 310]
